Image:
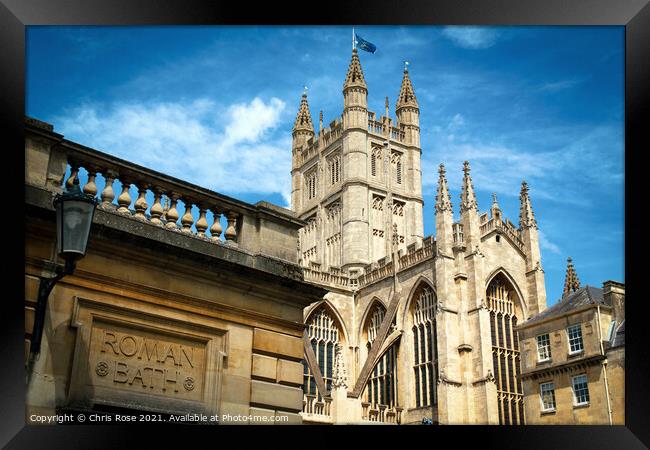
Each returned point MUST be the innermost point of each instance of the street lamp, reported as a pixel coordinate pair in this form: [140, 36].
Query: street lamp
[74, 216]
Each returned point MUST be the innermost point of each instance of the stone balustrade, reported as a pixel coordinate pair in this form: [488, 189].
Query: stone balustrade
[408, 257]
[321, 141]
[381, 413]
[333, 279]
[506, 228]
[142, 194]
[384, 129]
[315, 409]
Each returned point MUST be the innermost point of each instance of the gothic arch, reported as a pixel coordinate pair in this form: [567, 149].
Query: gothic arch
[362, 323]
[520, 298]
[334, 313]
[414, 289]
[500, 292]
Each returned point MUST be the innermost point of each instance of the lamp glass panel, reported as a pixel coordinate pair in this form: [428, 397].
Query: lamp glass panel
[75, 226]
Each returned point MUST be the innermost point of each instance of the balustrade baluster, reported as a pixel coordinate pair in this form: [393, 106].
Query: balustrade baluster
[187, 220]
[141, 203]
[156, 210]
[231, 232]
[215, 230]
[74, 171]
[124, 200]
[202, 223]
[108, 194]
[172, 213]
[90, 187]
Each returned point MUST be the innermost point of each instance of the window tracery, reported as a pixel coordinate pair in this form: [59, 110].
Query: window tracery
[324, 335]
[505, 351]
[424, 348]
[381, 389]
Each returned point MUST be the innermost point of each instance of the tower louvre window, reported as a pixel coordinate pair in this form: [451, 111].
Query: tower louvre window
[375, 159]
[311, 185]
[335, 169]
[396, 160]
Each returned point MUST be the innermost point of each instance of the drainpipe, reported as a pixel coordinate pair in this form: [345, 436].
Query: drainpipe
[604, 363]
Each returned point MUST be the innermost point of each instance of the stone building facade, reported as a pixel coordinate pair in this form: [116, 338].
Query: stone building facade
[161, 317]
[412, 327]
[574, 357]
[337, 311]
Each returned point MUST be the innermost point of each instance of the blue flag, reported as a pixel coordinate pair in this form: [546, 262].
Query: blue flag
[364, 45]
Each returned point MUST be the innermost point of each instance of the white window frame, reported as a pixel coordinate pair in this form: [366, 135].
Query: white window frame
[570, 339]
[573, 388]
[547, 348]
[542, 387]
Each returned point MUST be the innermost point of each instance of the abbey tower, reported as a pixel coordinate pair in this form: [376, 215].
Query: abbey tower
[413, 327]
[356, 178]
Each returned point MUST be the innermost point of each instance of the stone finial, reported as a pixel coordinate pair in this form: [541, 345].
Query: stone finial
[443, 199]
[571, 281]
[467, 196]
[340, 379]
[406, 93]
[303, 119]
[495, 209]
[354, 76]
[526, 216]
[320, 121]
[387, 107]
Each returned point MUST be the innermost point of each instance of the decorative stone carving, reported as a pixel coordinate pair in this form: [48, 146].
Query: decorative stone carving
[340, 374]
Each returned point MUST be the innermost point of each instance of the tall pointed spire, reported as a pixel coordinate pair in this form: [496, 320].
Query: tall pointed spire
[443, 199]
[571, 281]
[526, 216]
[355, 73]
[303, 119]
[406, 93]
[467, 196]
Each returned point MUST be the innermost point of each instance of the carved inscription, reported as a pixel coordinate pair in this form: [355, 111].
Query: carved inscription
[138, 360]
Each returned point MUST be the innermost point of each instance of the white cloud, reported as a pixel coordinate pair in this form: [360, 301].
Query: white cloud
[471, 37]
[456, 122]
[231, 150]
[545, 244]
[559, 85]
[554, 173]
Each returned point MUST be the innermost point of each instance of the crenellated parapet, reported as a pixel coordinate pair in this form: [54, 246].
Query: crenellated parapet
[378, 270]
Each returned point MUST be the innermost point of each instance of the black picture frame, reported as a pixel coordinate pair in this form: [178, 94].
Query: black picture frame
[15, 15]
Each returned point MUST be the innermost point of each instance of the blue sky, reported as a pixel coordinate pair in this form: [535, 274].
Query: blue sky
[215, 105]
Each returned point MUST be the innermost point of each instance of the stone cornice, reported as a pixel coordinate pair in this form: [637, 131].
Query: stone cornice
[111, 225]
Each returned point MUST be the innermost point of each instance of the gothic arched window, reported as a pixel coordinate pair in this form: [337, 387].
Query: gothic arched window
[381, 389]
[424, 347]
[323, 335]
[505, 351]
